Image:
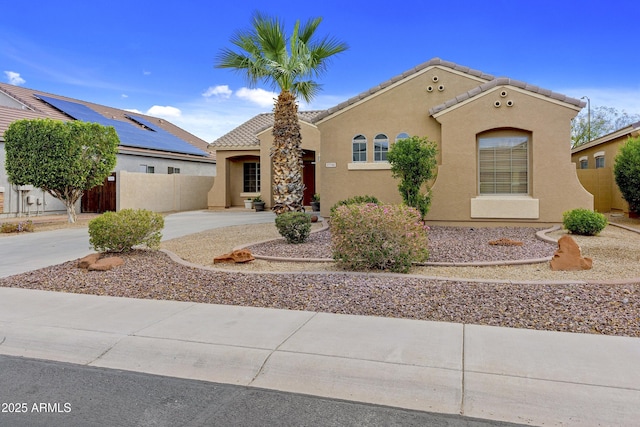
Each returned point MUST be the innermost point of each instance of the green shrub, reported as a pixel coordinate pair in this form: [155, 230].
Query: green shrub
[121, 231]
[584, 222]
[383, 237]
[626, 171]
[356, 200]
[19, 227]
[295, 227]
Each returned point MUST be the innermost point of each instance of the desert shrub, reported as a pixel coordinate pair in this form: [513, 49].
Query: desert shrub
[121, 231]
[295, 227]
[413, 161]
[626, 171]
[382, 237]
[584, 222]
[356, 200]
[18, 227]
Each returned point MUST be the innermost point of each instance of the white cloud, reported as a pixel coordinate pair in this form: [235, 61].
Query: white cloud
[146, 73]
[124, 95]
[166, 112]
[14, 78]
[221, 91]
[133, 110]
[260, 97]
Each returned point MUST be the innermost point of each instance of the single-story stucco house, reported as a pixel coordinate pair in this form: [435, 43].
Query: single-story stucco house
[504, 148]
[595, 161]
[147, 145]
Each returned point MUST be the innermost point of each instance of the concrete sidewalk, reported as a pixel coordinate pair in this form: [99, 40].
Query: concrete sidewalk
[516, 375]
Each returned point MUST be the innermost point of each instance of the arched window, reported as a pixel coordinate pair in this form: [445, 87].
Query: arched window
[402, 135]
[380, 148]
[503, 159]
[359, 148]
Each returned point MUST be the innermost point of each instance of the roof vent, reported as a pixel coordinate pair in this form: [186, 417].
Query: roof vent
[497, 104]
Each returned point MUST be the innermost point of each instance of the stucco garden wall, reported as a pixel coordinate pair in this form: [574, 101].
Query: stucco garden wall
[162, 192]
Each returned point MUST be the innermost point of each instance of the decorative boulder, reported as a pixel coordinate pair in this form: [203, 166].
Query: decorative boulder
[88, 260]
[105, 264]
[568, 257]
[503, 241]
[314, 218]
[239, 256]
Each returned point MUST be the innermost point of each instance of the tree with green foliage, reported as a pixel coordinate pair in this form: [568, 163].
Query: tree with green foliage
[289, 63]
[600, 121]
[62, 158]
[413, 161]
[626, 171]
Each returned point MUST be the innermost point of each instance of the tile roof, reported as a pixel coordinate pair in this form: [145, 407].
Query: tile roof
[36, 108]
[502, 81]
[245, 135]
[631, 130]
[431, 63]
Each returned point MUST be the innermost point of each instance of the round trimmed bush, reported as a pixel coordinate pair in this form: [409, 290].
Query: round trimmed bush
[584, 222]
[380, 237]
[356, 200]
[295, 227]
[121, 231]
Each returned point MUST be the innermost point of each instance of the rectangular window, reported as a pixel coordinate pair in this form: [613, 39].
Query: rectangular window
[584, 164]
[171, 170]
[151, 169]
[599, 162]
[380, 148]
[359, 151]
[251, 181]
[503, 165]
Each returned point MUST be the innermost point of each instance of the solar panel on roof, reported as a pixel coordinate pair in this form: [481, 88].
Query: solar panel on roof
[131, 135]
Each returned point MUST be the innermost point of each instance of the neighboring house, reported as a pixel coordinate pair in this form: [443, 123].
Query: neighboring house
[595, 161]
[147, 145]
[503, 147]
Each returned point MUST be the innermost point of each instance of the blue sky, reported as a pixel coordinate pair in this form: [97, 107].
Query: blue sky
[157, 57]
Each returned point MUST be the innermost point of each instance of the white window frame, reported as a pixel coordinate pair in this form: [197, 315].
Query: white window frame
[357, 154]
[380, 148]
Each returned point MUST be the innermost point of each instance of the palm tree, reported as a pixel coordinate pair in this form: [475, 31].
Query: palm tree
[288, 63]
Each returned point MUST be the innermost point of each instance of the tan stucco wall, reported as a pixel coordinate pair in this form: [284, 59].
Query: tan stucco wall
[552, 181]
[399, 108]
[162, 192]
[606, 191]
[227, 188]
[554, 187]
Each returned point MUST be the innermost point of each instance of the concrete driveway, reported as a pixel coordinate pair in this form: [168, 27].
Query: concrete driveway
[31, 251]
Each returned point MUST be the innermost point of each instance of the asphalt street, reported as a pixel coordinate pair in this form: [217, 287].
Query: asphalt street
[46, 393]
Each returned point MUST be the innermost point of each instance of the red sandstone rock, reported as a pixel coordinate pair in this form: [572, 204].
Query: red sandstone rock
[239, 256]
[105, 264]
[88, 260]
[568, 257]
[503, 241]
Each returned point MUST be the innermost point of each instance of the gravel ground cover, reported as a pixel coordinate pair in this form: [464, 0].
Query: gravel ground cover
[612, 309]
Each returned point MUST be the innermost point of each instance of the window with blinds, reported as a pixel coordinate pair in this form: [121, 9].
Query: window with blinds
[504, 165]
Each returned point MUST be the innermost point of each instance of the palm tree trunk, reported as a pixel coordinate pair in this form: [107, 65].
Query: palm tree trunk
[286, 156]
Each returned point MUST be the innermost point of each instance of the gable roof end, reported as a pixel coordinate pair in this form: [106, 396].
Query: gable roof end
[430, 63]
[505, 81]
[247, 133]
